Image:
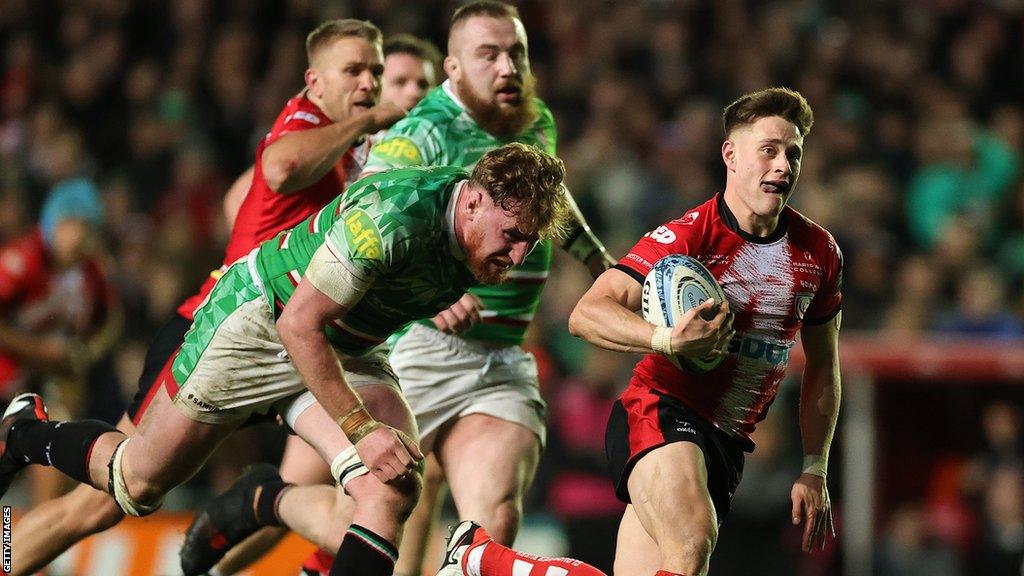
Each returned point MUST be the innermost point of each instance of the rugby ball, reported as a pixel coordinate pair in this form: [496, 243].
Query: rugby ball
[675, 285]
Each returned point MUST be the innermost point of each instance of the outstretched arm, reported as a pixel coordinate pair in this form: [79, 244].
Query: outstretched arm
[299, 159]
[820, 395]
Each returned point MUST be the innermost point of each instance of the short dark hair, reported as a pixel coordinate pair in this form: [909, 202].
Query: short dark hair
[527, 181]
[334, 29]
[418, 47]
[788, 104]
[490, 8]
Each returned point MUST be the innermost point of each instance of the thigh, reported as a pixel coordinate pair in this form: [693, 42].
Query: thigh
[668, 488]
[168, 447]
[487, 461]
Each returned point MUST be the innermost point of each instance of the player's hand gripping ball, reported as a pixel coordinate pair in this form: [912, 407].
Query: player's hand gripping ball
[676, 284]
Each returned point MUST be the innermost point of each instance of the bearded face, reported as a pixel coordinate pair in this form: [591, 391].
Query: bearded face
[490, 71]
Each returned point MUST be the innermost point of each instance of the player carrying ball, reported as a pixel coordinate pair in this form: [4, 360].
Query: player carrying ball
[676, 440]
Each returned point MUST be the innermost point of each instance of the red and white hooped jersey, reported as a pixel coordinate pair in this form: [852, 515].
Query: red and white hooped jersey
[264, 212]
[774, 286]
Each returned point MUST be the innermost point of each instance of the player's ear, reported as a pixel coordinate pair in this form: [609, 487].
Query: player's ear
[451, 66]
[729, 155]
[310, 77]
[474, 200]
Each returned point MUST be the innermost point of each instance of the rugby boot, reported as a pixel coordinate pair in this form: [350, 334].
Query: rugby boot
[23, 408]
[461, 540]
[225, 521]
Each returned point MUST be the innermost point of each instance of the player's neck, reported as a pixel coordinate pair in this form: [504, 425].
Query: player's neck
[746, 219]
[319, 103]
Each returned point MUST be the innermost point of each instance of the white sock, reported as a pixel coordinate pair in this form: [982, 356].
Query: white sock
[214, 572]
[473, 560]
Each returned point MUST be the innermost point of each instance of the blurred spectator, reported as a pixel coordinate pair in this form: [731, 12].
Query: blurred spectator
[1003, 446]
[1001, 550]
[909, 549]
[964, 171]
[981, 308]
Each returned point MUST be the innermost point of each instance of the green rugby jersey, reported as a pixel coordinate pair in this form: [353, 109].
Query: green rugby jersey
[440, 132]
[392, 229]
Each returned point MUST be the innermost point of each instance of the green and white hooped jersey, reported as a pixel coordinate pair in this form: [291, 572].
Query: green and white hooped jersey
[440, 132]
[393, 230]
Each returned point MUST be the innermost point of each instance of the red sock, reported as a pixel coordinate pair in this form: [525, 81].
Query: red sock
[667, 573]
[497, 560]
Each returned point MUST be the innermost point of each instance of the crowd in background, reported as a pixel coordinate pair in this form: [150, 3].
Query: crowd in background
[914, 164]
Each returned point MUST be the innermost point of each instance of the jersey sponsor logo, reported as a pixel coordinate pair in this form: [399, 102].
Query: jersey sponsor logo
[758, 349]
[647, 264]
[662, 235]
[303, 115]
[362, 235]
[689, 218]
[802, 301]
[399, 149]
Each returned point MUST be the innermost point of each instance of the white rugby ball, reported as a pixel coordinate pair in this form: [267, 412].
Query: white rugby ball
[675, 285]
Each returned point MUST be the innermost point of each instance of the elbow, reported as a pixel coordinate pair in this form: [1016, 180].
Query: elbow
[288, 328]
[277, 172]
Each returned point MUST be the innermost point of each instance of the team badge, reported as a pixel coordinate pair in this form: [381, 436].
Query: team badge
[803, 302]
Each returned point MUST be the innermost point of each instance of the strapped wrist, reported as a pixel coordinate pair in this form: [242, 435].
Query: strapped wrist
[357, 424]
[661, 340]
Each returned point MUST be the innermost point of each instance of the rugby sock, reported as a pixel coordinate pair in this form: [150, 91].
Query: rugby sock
[267, 498]
[493, 559]
[64, 445]
[365, 553]
[317, 564]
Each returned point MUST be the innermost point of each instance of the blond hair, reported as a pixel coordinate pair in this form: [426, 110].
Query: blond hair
[331, 30]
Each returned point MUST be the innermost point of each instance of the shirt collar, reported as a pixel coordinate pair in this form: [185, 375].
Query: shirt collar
[450, 91]
[453, 240]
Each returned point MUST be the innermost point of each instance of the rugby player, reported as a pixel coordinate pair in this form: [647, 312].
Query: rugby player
[297, 326]
[476, 391]
[316, 146]
[676, 440]
[411, 66]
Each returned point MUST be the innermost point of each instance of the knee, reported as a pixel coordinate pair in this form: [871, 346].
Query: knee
[404, 494]
[692, 549]
[137, 496]
[395, 499]
[502, 521]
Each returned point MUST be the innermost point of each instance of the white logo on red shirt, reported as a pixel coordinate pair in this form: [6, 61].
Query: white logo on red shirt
[689, 218]
[303, 115]
[662, 235]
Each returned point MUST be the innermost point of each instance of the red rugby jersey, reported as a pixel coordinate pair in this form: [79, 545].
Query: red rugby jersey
[264, 212]
[774, 285]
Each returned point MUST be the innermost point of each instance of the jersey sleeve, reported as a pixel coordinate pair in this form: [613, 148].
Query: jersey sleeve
[828, 299]
[671, 238]
[412, 141]
[304, 117]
